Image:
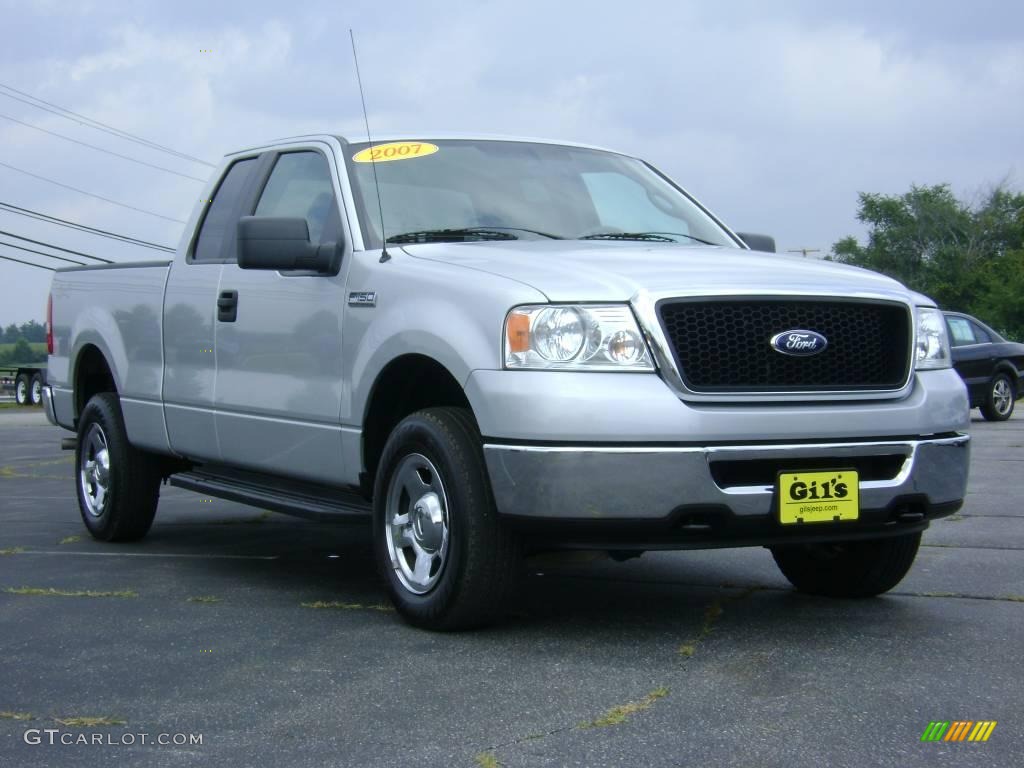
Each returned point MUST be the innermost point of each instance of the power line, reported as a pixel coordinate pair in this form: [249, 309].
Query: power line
[100, 149]
[26, 263]
[90, 194]
[28, 212]
[41, 253]
[55, 247]
[96, 124]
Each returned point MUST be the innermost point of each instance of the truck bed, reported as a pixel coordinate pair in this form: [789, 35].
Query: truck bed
[117, 308]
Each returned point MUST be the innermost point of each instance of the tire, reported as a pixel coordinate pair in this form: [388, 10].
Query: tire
[21, 389]
[433, 481]
[848, 569]
[118, 485]
[999, 401]
[35, 390]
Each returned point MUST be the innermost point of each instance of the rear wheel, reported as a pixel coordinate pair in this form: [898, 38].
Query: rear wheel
[21, 389]
[447, 559]
[848, 569]
[999, 402]
[36, 389]
[118, 485]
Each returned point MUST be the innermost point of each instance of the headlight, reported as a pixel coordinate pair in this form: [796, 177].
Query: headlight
[932, 348]
[590, 337]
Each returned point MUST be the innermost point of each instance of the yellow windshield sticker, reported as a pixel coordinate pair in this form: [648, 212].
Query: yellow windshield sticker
[398, 150]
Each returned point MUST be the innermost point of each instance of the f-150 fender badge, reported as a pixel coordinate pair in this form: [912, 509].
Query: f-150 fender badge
[799, 343]
[362, 299]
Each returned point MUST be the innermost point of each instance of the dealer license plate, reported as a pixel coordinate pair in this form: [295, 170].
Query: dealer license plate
[818, 497]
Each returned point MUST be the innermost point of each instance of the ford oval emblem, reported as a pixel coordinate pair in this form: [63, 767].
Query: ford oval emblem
[799, 343]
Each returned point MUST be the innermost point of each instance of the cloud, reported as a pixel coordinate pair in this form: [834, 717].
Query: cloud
[774, 115]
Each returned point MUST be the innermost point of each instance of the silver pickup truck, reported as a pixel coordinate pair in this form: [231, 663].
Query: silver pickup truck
[495, 346]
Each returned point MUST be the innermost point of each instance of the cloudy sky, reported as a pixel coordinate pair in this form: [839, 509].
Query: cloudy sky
[774, 114]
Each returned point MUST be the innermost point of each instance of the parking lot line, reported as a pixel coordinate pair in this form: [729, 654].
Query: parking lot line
[65, 553]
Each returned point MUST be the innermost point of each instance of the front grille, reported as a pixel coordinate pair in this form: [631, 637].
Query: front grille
[723, 345]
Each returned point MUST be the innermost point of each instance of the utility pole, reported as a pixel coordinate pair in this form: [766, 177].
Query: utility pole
[804, 251]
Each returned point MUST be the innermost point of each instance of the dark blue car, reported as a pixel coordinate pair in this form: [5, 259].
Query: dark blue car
[991, 366]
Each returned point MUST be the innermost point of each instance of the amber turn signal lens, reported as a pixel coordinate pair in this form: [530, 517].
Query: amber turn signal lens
[518, 330]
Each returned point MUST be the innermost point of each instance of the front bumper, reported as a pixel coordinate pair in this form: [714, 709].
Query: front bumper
[680, 490]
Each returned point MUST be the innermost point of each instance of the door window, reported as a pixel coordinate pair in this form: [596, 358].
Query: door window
[300, 187]
[980, 335]
[960, 331]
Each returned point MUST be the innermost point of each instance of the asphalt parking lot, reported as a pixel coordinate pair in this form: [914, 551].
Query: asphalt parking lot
[270, 637]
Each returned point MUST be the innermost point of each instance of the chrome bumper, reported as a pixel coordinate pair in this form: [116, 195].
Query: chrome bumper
[48, 405]
[655, 483]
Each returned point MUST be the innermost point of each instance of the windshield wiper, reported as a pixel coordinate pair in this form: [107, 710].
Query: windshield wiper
[659, 237]
[531, 231]
[442, 235]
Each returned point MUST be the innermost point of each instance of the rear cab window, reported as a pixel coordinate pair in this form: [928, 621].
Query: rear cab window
[216, 238]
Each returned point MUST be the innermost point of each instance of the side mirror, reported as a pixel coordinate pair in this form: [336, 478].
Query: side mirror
[278, 243]
[764, 243]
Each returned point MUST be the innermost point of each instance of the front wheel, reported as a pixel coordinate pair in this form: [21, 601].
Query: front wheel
[999, 401]
[848, 569]
[447, 559]
[118, 485]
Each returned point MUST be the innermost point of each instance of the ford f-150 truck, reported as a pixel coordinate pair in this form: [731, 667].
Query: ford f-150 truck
[492, 346]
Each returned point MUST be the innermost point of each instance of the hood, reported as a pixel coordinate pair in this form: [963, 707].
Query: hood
[574, 270]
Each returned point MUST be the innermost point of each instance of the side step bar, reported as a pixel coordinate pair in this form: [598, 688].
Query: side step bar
[322, 504]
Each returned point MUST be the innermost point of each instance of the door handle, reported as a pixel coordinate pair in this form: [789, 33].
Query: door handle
[227, 306]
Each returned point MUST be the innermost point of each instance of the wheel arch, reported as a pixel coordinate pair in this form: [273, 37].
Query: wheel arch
[92, 374]
[408, 383]
[1007, 367]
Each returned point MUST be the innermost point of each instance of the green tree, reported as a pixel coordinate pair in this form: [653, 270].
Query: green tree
[968, 257]
[10, 334]
[33, 331]
[22, 352]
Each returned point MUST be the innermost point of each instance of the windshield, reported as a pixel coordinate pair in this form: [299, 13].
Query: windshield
[455, 190]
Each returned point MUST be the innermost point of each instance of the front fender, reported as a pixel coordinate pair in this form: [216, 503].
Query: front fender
[451, 314]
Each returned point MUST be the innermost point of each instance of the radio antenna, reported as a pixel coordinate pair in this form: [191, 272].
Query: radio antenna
[384, 255]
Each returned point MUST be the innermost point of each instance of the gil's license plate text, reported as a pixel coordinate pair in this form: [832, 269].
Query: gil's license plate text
[818, 497]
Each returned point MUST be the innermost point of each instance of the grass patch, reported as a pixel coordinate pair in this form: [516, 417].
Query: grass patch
[12, 550]
[620, 714]
[1015, 598]
[16, 716]
[957, 518]
[12, 471]
[36, 346]
[12, 404]
[51, 592]
[711, 615]
[89, 722]
[70, 539]
[340, 606]
[487, 760]
[204, 599]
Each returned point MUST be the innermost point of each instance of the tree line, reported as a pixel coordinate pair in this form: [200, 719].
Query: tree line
[967, 256]
[20, 336]
[30, 331]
